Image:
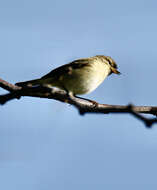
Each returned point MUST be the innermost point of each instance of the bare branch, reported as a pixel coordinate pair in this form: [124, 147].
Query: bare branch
[8, 86]
[83, 105]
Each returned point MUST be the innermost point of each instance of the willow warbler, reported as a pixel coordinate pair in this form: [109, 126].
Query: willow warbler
[80, 76]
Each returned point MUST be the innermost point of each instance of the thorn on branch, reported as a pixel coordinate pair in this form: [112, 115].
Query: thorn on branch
[81, 111]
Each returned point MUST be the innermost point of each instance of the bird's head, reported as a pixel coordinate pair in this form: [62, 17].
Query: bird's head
[113, 65]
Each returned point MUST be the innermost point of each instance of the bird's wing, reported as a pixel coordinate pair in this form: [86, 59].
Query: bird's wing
[65, 69]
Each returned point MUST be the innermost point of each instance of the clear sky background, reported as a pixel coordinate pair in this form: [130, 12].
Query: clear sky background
[45, 144]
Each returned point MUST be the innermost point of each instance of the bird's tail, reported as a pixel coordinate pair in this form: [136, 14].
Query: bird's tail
[29, 83]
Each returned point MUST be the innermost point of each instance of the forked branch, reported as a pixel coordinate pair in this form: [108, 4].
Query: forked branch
[83, 105]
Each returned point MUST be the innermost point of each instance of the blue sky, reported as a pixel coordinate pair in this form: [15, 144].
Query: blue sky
[45, 144]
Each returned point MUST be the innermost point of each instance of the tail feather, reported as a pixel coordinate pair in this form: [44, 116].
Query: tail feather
[29, 83]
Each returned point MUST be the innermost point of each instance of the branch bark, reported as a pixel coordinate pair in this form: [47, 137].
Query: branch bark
[83, 105]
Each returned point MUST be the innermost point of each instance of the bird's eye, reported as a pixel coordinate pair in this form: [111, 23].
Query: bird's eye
[111, 62]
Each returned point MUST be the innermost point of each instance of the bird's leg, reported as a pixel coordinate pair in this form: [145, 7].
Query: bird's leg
[69, 94]
[72, 96]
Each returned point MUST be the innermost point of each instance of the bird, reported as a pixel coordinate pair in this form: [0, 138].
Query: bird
[78, 77]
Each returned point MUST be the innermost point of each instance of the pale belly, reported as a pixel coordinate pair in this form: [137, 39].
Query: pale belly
[84, 85]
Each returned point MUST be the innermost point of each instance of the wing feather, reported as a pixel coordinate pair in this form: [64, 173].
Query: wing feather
[65, 69]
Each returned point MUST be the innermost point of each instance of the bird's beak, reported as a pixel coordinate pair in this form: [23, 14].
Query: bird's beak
[114, 70]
